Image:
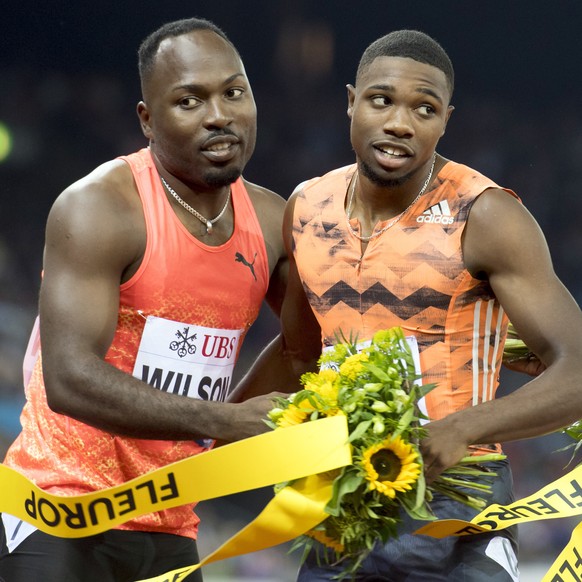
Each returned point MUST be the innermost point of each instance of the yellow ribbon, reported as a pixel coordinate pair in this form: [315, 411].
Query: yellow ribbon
[274, 457]
[303, 453]
[568, 565]
[562, 498]
[293, 511]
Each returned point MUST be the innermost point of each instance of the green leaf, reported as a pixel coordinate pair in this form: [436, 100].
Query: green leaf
[347, 482]
[464, 483]
[360, 430]
[457, 495]
[404, 421]
[420, 490]
[480, 459]
[378, 372]
[422, 512]
[424, 389]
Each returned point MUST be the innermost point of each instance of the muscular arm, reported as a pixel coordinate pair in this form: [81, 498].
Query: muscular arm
[296, 349]
[95, 235]
[504, 243]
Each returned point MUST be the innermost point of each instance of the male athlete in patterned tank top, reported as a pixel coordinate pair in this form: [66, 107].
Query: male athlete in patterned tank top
[126, 263]
[406, 237]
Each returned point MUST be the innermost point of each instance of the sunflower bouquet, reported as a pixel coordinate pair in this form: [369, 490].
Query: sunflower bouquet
[377, 388]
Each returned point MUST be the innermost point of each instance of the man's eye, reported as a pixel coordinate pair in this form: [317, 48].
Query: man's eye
[234, 93]
[189, 102]
[380, 100]
[426, 110]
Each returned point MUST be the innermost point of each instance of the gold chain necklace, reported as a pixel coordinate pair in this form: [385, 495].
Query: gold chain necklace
[395, 219]
[197, 214]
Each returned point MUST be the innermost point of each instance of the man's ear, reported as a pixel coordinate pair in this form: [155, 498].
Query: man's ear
[450, 110]
[144, 120]
[351, 98]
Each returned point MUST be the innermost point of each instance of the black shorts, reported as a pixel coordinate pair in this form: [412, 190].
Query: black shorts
[113, 556]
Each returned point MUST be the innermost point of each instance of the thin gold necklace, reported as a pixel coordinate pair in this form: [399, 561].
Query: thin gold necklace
[197, 214]
[395, 219]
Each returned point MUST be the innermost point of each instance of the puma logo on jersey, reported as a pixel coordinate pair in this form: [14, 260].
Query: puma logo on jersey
[240, 259]
[439, 213]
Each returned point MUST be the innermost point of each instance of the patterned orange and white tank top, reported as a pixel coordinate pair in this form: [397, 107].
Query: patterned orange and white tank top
[412, 276]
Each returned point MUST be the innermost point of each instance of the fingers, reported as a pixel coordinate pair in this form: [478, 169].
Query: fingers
[529, 364]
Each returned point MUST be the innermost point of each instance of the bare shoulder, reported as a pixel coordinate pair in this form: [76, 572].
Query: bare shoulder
[497, 227]
[494, 200]
[103, 210]
[496, 210]
[264, 200]
[269, 208]
[110, 186]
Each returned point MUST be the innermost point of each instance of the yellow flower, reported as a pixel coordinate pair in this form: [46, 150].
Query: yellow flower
[295, 414]
[353, 366]
[326, 385]
[292, 416]
[390, 466]
[323, 538]
[328, 375]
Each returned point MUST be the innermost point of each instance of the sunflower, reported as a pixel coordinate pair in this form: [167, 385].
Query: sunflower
[390, 466]
[295, 414]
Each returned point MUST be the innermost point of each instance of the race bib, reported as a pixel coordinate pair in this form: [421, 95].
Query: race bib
[188, 360]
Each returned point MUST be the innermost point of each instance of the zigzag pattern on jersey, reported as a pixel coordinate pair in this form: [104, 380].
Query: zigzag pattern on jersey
[376, 294]
[418, 273]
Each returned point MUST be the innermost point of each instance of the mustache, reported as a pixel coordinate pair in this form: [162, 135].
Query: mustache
[221, 133]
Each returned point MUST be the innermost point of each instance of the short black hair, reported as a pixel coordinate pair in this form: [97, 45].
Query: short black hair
[411, 44]
[149, 47]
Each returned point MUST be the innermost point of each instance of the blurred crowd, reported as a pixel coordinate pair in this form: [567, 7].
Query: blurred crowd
[64, 124]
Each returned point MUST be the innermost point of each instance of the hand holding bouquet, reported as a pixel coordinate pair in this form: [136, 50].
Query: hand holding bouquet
[377, 389]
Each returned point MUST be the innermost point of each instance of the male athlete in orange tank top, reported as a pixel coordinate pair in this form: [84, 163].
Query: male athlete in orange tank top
[408, 238]
[155, 266]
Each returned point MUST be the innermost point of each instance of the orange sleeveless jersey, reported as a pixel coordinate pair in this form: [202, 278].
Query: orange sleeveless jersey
[180, 279]
[412, 276]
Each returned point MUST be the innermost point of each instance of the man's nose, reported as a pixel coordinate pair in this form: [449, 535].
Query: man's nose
[217, 114]
[398, 122]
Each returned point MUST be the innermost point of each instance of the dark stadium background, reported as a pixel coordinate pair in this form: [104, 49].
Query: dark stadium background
[68, 89]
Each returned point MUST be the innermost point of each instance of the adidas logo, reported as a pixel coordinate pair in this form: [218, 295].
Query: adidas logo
[438, 214]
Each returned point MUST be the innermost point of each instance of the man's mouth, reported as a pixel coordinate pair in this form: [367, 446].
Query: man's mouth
[221, 150]
[392, 151]
[217, 147]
